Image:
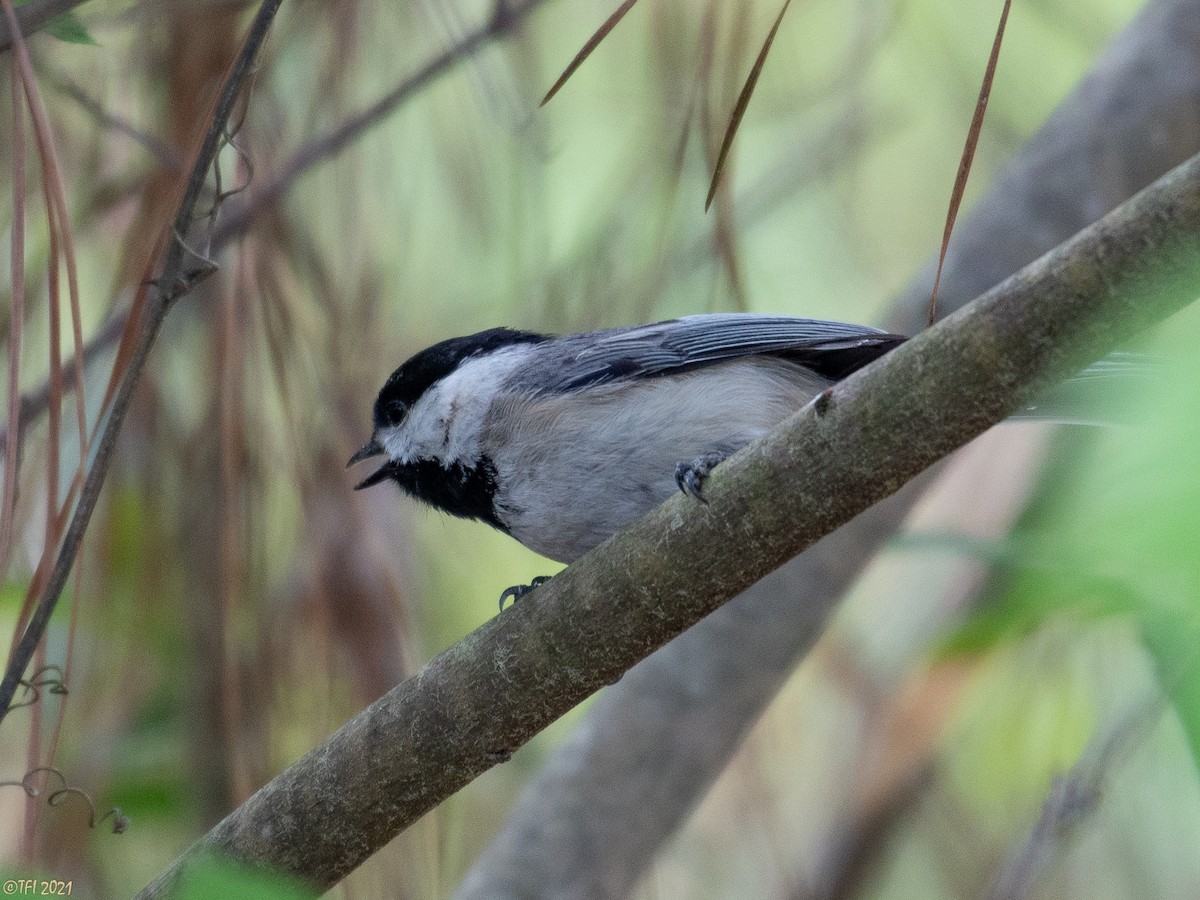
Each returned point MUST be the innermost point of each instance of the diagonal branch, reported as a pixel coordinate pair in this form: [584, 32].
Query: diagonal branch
[178, 276]
[475, 703]
[507, 17]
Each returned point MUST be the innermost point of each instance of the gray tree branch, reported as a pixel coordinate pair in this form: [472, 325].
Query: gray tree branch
[488, 694]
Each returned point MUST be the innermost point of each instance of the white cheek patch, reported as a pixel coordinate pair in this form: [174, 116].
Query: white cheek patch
[447, 421]
[395, 443]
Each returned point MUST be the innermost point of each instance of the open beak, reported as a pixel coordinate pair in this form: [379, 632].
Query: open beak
[382, 473]
[369, 449]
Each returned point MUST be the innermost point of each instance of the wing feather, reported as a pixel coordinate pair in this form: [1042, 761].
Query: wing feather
[831, 349]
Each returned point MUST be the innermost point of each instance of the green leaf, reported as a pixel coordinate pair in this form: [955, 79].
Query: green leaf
[69, 28]
[66, 27]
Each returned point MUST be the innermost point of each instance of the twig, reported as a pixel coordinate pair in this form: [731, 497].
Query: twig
[332, 143]
[159, 149]
[1072, 798]
[175, 280]
[491, 692]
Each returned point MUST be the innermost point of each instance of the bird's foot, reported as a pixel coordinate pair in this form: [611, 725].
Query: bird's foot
[690, 475]
[517, 591]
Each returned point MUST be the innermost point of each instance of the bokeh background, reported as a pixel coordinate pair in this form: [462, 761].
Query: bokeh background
[237, 601]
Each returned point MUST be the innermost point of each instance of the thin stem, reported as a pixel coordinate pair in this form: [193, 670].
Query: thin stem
[174, 281]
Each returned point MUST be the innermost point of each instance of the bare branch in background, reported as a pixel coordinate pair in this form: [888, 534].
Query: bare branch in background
[328, 145]
[163, 153]
[1072, 797]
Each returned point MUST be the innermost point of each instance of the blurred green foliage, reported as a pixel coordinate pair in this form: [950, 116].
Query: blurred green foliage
[1116, 535]
[217, 877]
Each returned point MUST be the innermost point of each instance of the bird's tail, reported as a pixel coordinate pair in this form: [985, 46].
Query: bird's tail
[1099, 394]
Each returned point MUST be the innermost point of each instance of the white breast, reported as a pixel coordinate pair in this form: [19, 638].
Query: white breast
[573, 469]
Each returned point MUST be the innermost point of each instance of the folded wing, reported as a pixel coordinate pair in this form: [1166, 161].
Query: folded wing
[831, 349]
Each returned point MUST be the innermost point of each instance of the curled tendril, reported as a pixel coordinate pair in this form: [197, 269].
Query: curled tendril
[31, 789]
[50, 677]
[205, 264]
[26, 783]
[32, 692]
[120, 822]
[56, 684]
[220, 195]
[230, 138]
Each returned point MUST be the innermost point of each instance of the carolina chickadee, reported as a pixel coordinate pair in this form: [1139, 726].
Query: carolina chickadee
[563, 441]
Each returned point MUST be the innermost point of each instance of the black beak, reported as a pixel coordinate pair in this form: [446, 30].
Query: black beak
[369, 449]
[382, 473]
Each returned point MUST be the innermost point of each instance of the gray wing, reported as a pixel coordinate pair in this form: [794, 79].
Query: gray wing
[831, 349]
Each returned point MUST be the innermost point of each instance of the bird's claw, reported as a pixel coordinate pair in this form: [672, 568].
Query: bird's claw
[517, 591]
[689, 476]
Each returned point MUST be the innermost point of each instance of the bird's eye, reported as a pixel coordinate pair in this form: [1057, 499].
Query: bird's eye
[396, 412]
[390, 413]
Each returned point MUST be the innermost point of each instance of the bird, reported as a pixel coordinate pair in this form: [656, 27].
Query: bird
[561, 441]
